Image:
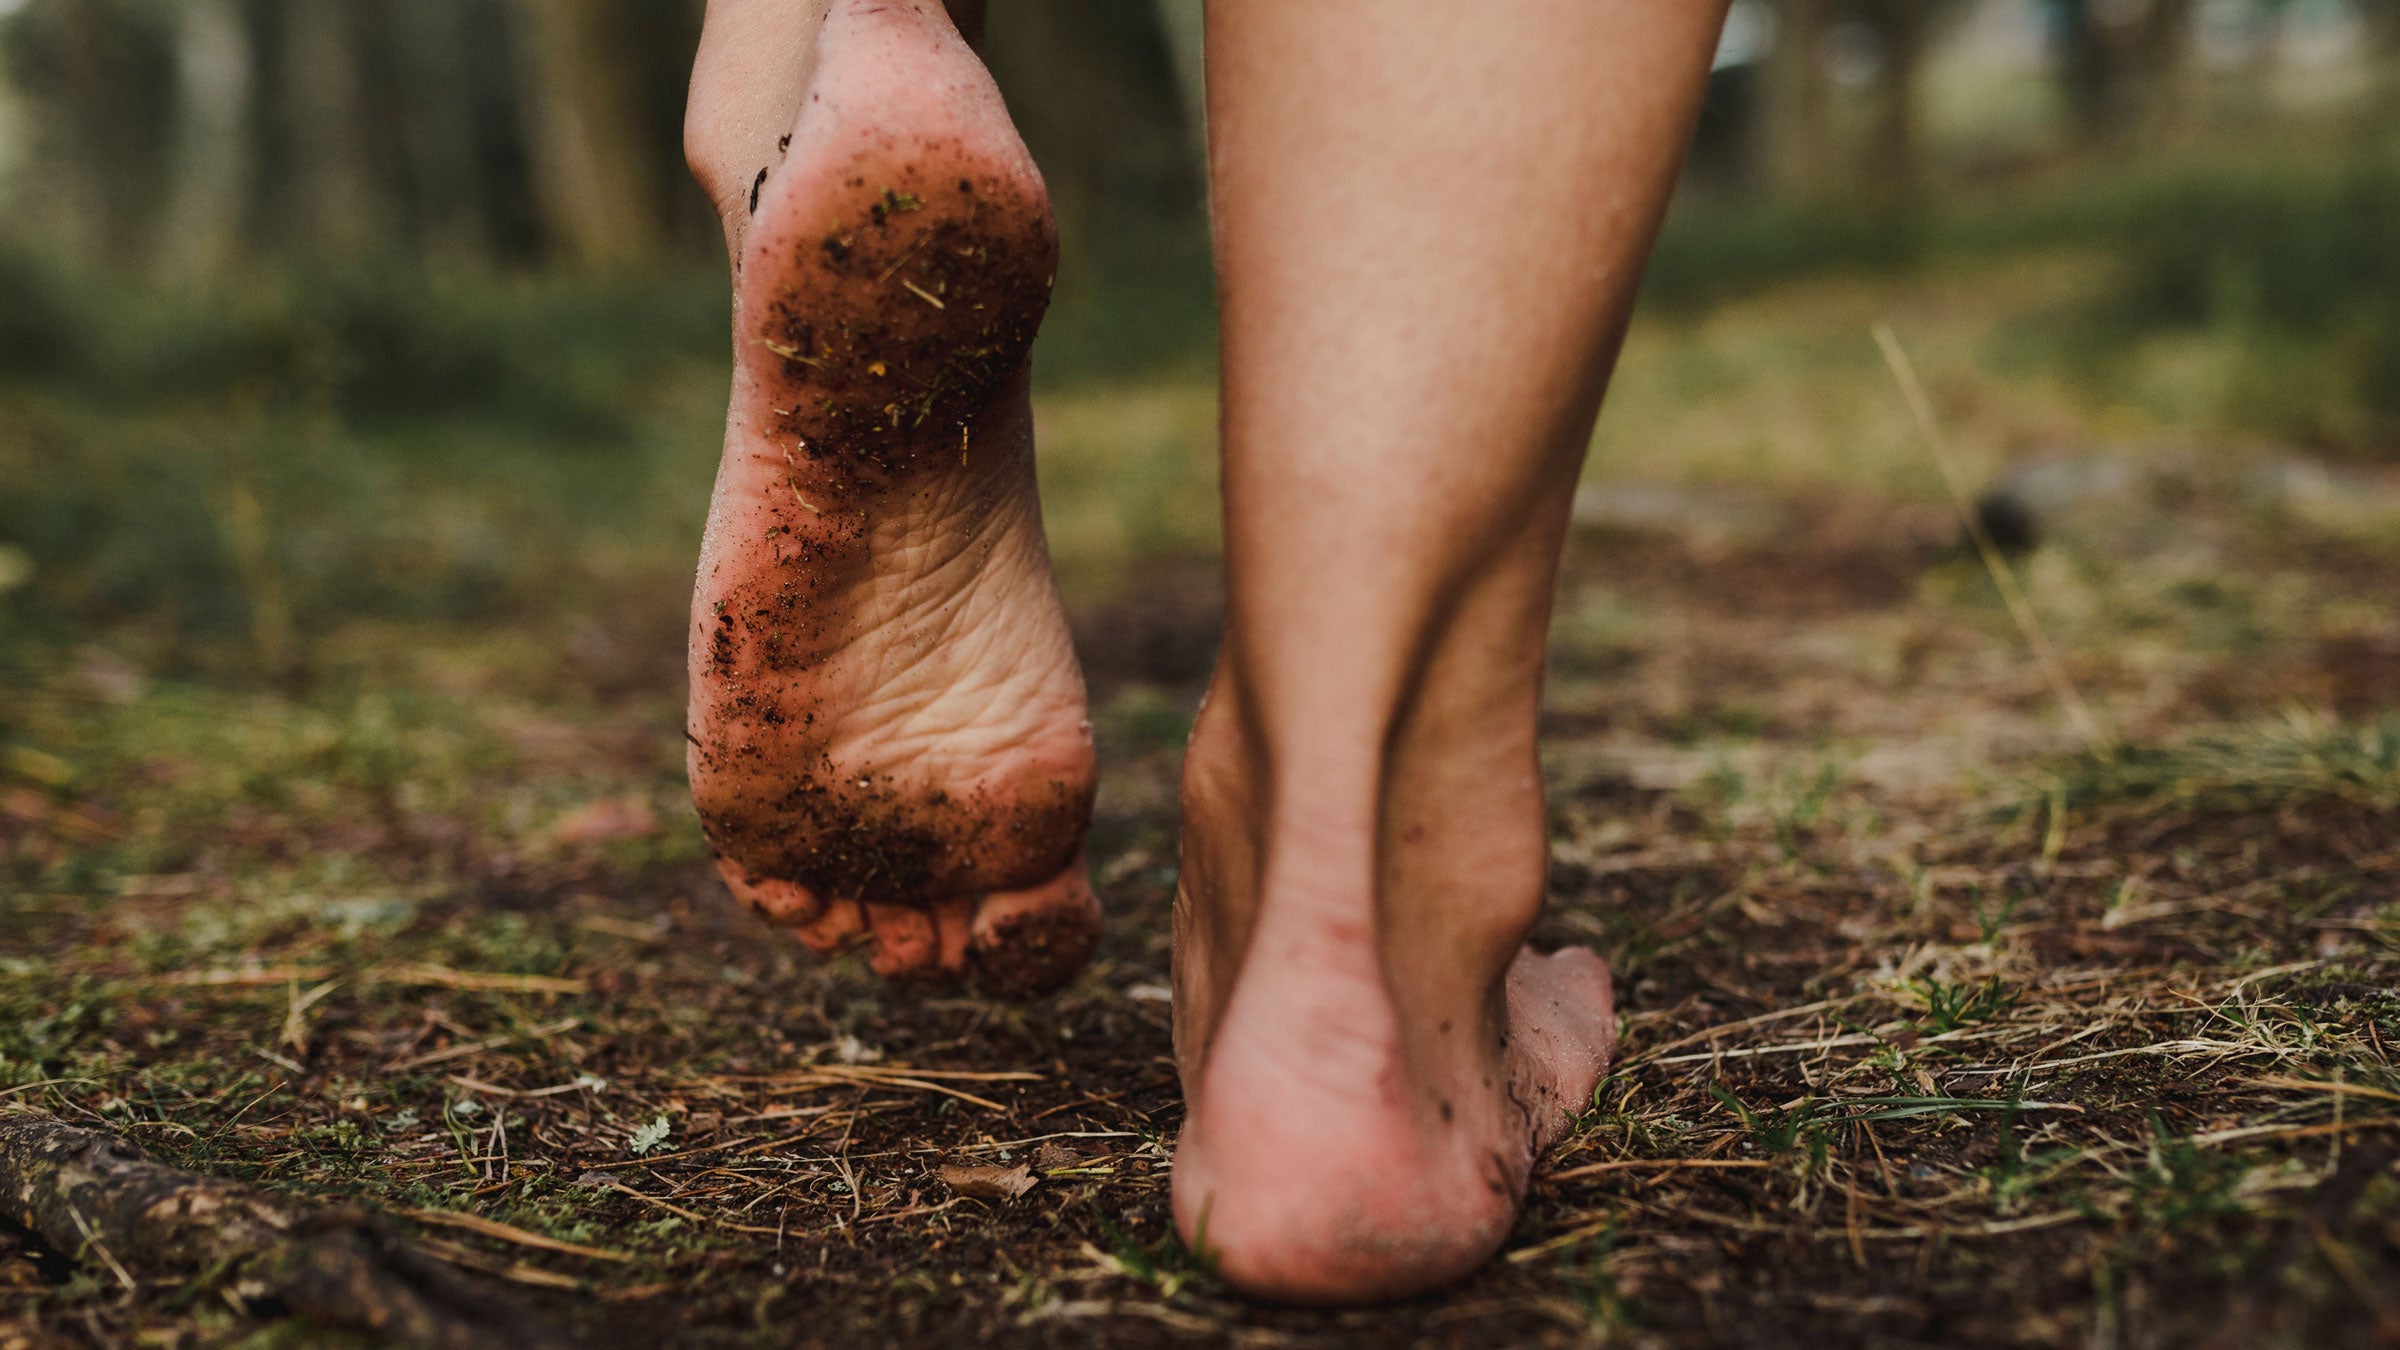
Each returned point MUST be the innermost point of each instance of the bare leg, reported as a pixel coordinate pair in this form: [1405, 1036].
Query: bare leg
[1431, 216]
[888, 741]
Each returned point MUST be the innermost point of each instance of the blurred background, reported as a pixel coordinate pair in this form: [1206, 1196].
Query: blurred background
[362, 367]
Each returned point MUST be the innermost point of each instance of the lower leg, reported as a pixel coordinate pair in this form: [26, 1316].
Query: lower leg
[1431, 218]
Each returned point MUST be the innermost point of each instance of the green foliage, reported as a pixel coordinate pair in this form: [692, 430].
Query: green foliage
[44, 1025]
[1167, 1265]
[2297, 759]
[648, 1137]
[2292, 263]
[2182, 1183]
[1951, 1004]
[1592, 1283]
[368, 345]
[1711, 252]
[254, 464]
[1781, 1131]
[1992, 920]
[2305, 267]
[2016, 1174]
[1800, 805]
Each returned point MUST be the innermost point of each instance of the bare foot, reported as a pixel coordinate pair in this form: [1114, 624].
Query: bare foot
[1372, 1061]
[888, 735]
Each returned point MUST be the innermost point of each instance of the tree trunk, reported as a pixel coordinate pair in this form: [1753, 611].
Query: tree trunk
[1799, 129]
[2383, 32]
[438, 133]
[596, 180]
[212, 167]
[1094, 90]
[342, 211]
[95, 148]
[1187, 45]
[2170, 70]
[1900, 165]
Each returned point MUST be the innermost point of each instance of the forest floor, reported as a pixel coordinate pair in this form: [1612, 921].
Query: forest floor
[1946, 1022]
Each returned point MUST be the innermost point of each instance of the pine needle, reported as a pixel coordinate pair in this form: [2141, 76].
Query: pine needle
[2096, 740]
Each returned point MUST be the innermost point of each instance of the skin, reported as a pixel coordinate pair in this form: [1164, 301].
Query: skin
[1422, 297]
[888, 742]
[1430, 225]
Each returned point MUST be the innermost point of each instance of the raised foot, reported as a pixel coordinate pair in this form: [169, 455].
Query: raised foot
[1322, 1163]
[888, 736]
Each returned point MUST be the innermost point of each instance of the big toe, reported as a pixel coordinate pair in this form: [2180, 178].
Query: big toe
[1026, 943]
[1563, 1014]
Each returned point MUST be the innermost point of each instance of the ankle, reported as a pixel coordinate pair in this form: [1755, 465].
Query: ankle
[1332, 842]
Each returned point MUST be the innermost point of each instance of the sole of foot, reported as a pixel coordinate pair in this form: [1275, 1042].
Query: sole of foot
[1367, 1096]
[888, 739]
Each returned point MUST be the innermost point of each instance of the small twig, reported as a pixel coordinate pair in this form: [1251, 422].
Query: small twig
[1651, 1165]
[418, 973]
[2362, 1286]
[2020, 608]
[791, 353]
[295, 1017]
[584, 1084]
[2335, 1086]
[92, 1241]
[792, 481]
[903, 258]
[491, 1228]
[922, 294]
[685, 1213]
[479, 1047]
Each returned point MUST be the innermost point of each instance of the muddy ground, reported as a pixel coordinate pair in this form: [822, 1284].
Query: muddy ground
[1944, 1023]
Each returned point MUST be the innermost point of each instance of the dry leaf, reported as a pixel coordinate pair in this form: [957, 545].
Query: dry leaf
[988, 1181]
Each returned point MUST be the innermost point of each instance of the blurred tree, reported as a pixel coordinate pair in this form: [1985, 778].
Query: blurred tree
[1805, 145]
[437, 106]
[96, 78]
[595, 177]
[213, 159]
[1902, 29]
[2126, 67]
[1797, 125]
[1184, 25]
[340, 197]
[2383, 30]
[2170, 68]
[1094, 87]
[196, 136]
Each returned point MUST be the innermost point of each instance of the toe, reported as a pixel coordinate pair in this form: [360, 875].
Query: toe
[1564, 1015]
[782, 903]
[1027, 943]
[905, 942]
[920, 944]
[839, 925]
[954, 929]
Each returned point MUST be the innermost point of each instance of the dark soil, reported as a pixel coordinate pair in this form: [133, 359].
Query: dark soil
[1937, 1031]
